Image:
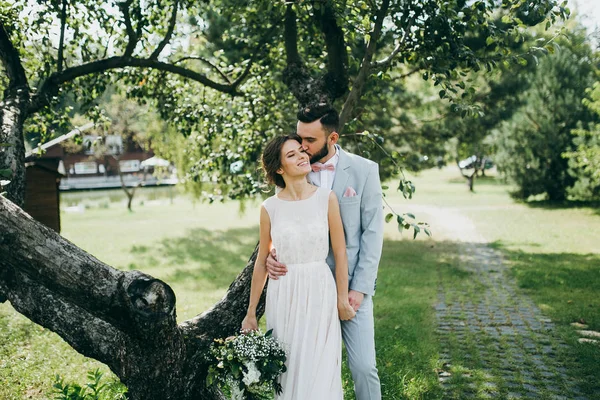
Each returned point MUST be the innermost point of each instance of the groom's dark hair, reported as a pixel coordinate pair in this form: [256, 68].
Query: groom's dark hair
[323, 112]
[271, 158]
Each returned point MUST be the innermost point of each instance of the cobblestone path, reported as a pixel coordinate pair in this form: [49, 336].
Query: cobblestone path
[495, 342]
[503, 343]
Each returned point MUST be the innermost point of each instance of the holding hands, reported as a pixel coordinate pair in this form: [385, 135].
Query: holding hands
[349, 305]
[355, 298]
[345, 310]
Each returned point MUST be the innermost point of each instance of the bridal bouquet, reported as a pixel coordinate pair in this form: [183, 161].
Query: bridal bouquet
[247, 366]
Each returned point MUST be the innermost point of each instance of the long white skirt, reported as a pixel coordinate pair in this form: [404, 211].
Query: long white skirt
[302, 311]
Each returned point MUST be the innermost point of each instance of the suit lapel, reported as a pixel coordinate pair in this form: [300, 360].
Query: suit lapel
[341, 176]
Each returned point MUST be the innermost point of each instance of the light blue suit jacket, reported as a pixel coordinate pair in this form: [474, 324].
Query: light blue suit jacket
[362, 217]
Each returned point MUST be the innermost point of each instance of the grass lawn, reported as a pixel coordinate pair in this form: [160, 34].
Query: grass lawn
[553, 252]
[199, 249]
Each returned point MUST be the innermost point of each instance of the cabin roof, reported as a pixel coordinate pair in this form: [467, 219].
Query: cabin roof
[38, 150]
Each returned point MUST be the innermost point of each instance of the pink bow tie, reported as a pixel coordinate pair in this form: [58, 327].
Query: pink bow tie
[316, 167]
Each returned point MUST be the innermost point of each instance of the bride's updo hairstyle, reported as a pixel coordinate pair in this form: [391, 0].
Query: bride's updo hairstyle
[271, 158]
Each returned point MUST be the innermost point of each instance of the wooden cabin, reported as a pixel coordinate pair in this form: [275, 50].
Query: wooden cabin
[42, 200]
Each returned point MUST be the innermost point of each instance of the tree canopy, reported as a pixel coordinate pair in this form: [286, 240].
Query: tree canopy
[233, 76]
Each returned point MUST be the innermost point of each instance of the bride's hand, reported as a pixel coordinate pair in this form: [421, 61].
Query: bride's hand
[249, 324]
[345, 310]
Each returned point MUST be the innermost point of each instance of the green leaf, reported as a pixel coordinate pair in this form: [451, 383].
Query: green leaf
[5, 173]
[489, 40]
[411, 215]
[442, 94]
[417, 230]
[389, 217]
[427, 232]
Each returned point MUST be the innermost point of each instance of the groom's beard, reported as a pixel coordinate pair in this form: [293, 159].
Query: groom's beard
[320, 154]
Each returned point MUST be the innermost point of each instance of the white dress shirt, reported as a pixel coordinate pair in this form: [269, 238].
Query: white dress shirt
[324, 178]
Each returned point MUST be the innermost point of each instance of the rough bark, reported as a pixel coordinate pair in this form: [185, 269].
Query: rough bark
[125, 319]
[12, 117]
[12, 149]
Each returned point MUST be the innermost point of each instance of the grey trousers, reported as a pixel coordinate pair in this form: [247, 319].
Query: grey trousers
[359, 337]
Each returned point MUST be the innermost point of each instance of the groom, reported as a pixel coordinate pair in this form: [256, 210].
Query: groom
[355, 181]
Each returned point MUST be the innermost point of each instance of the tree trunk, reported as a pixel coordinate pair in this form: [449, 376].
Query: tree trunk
[128, 193]
[125, 319]
[470, 178]
[12, 148]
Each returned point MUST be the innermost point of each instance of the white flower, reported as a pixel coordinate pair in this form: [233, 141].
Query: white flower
[236, 166]
[253, 374]
[236, 393]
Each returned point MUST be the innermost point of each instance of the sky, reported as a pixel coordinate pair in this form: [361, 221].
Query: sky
[588, 12]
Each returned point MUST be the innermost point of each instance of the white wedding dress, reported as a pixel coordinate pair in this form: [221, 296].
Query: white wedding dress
[301, 306]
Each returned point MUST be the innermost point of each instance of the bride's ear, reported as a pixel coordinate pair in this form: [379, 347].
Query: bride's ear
[280, 171]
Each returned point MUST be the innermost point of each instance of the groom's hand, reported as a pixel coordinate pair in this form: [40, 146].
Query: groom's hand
[275, 269]
[355, 298]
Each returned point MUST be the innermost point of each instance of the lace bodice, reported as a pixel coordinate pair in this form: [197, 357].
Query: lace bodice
[299, 229]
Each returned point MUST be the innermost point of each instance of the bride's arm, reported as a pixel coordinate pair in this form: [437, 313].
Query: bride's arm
[259, 275]
[338, 245]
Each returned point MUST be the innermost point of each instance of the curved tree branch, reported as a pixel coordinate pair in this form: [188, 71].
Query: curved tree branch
[257, 51]
[131, 33]
[169, 33]
[204, 60]
[365, 68]
[50, 87]
[386, 62]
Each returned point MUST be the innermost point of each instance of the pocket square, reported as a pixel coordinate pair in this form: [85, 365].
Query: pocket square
[349, 192]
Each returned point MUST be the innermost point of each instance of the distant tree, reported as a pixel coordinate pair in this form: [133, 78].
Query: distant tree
[125, 125]
[531, 144]
[584, 160]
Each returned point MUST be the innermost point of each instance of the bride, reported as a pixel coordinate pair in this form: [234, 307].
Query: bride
[305, 306]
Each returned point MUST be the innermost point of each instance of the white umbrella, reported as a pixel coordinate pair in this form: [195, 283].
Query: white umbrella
[155, 162]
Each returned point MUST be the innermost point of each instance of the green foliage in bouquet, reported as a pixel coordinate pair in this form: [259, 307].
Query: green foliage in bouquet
[247, 366]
